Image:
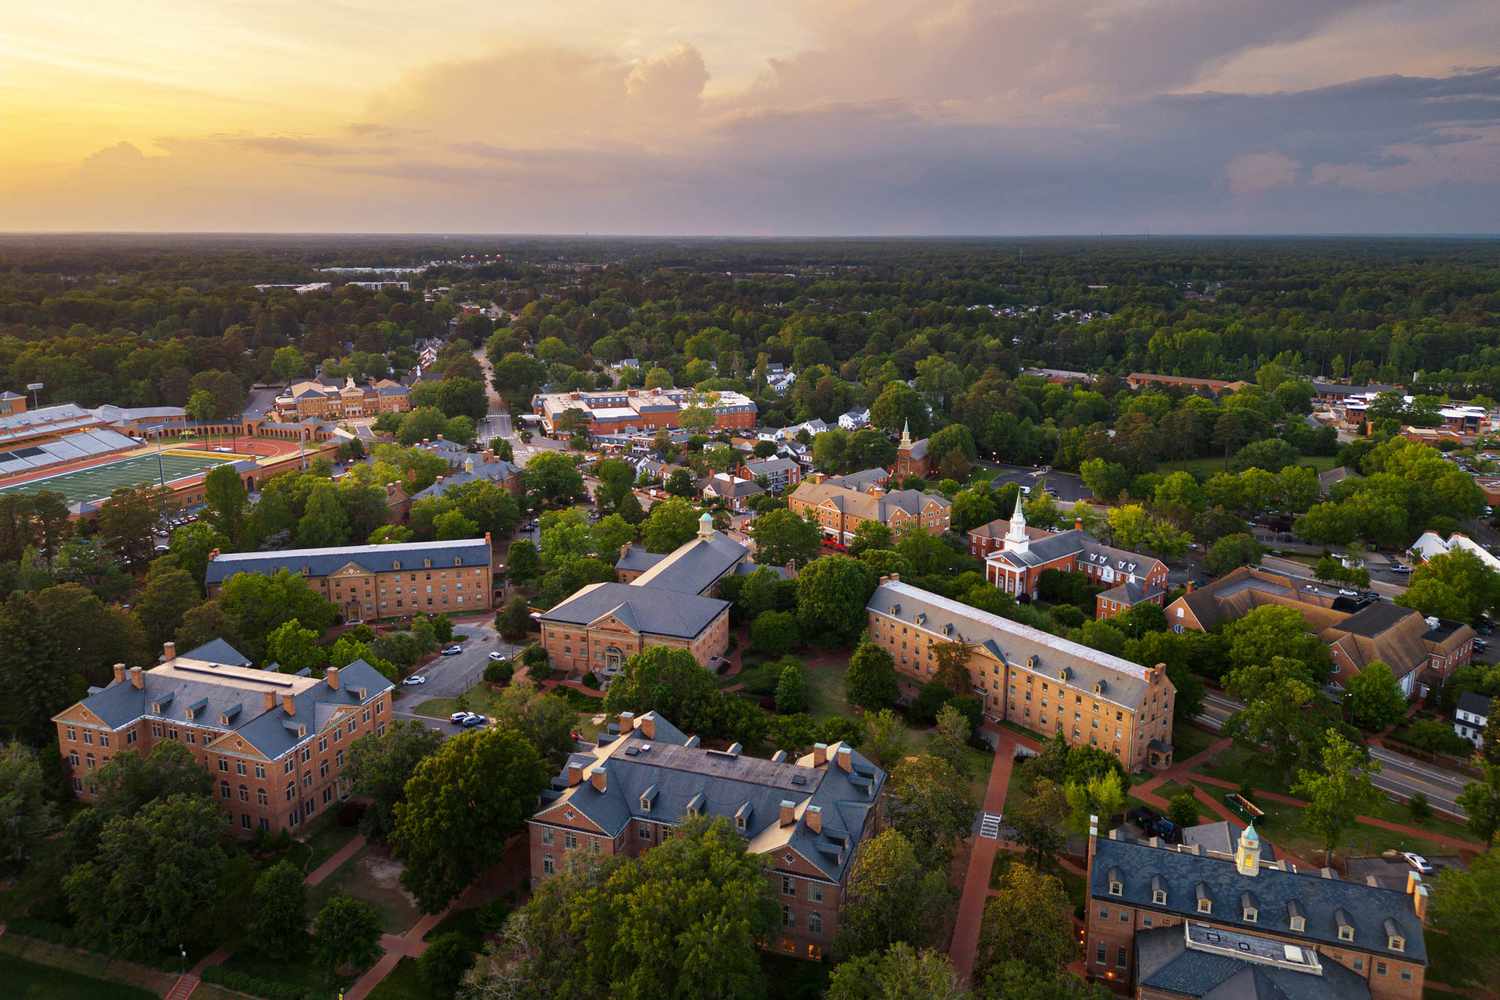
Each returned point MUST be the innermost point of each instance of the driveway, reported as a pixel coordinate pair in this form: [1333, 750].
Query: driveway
[1069, 487]
[451, 676]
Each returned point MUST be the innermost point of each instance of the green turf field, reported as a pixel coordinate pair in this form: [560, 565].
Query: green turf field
[100, 481]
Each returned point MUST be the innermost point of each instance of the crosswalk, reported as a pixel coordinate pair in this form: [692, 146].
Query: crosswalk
[989, 826]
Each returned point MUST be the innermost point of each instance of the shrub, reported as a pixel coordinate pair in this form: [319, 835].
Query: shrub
[1419, 807]
[1435, 736]
[1182, 809]
[933, 696]
[791, 689]
[444, 963]
[244, 982]
[498, 672]
[775, 633]
[591, 681]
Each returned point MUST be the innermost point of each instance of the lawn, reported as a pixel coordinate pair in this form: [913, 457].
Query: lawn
[1189, 740]
[976, 762]
[323, 841]
[825, 690]
[1284, 826]
[403, 983]
[28, 981]
[373, 876]
[300, 971]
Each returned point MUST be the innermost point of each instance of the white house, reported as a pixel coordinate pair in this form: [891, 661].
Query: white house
[1431, 544]
[1472, 715]
[854, 419]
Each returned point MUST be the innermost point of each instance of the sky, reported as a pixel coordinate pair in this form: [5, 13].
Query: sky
[777, 118]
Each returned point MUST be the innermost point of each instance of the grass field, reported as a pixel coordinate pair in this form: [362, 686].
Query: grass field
[28, 981]
[372, 876]
[1205, 467]
[100, 481]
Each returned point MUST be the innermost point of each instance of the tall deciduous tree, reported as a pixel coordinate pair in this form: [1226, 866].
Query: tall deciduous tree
[380, 767]
[278, 924]
[782, 537]
[169, 593]
[462, 802]
[1028, 920]
[831, 597]
[346, 934]
[870, 682]
[932, 804]
[900, 973]
[1374, 698]
[1338, 793]
[1464, 906]
[26, 815]
[668, 681]
[670, 523]
[224, 496]
[892, 898]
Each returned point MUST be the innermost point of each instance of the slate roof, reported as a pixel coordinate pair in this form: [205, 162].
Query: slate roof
[1319, 900]
[1165, 962]
[729, 487]
[1125, 683]
[694, 566]
[650, 610]
[1223, 837]
[726, 784]
[1130, 593]
[865, 505]
[217, 691]
[374, 558]
[1475, 704]
[496, 472]
[218, 651]
[769, 466]
[861, 480]
[918, 449]
[1047, 546]
[636, 559]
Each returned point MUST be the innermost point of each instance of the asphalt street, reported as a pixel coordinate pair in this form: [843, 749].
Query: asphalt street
[451, 676]
[1069, 487]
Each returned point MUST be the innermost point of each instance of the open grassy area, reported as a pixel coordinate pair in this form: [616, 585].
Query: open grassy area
[373, 876]
[300, 970]
[825, 690]
[98, 481]
[322, 840]
[1189, 740]
[1285, 826]
[403, 983]
[29, 981]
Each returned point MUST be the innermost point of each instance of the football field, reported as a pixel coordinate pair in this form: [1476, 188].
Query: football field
[99, 481]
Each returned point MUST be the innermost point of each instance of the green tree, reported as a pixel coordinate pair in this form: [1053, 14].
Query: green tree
[1463, 908]
[1016, 980]
[952, 737]
[1374, 697]
[831, 596]
[1035, 822]
[870, 535]
[461, 803]
[1453, 585]
[380, 767]
[1276, 631]
[1340, 793]
[514, 622]
[552, 480]
[931, 804]
[782, 537]
[452, 525]
[871, 682]
[658, 378]
[26, 815]
[1102, 795]
[901, 973]
[294, 648]
[191, 545]
[325, 522]
[522, 562]
[1182, 809]
[346, 934]
[1231, 552]
[1028, 920]
[1480, 801]
[278, 925]
[791, 687]
[152, 879]
[885, 738]
[288, 363]
[899, 406]
[224, 496]
[1105, 480]
[671, 523]
[680, 484]
[442, 966]
[127, 520]
[670, 682]
[1279, 712]
[892, 898]
[775, 633]
[169, 594]
[545, 720]
[253, 606]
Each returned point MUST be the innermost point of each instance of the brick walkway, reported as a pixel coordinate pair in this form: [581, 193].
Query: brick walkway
[327, 868]
[965, 945]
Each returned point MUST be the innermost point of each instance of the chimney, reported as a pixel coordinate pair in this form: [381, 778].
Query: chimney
[575, 774]
[119, 673]
[1413, 879]
[269, 698]
[895, 577]
[648, 726]
[599, 778]
[846, 760]
[624, 550]
[1419, 903]
[169, 651]
[331, 675]
[820, 754]
[627, 722]
[137, 678]
[488, 541]
[788, 812]
[288, 703]
[1189, 589]
[814, 817]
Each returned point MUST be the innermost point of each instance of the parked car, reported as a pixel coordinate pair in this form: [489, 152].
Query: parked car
[474, 721]
[414, 680]
[452, 650]
[457, 718]
[1481, 644]
[1346, 592]
[1400, 568]
[1421, 864]
[498, 656]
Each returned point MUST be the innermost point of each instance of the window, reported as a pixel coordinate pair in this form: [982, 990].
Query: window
[353, 724]
[77, 784]
[546, 835]
[244, 793]
[1120, 956]
[1380, 969]
[88, 737]
[788, 916]
[291, 763]
[1205, 905]
[260, 797]
[1299, 924]
[1116, 888]
[223, 789]
[322, 744]
[570, 840]
[1406, 975]
[547, 867]
[338, 758]
[788, 886]
[1099, 955]
[1159, 897]
[260, 770]
[73, 758]
[323, 768]
[645, 832]
[1359, 965]
[244, 821]
[1146, 921]
[263, 823]
[306, 755]
[130, 737]
[72, 734]
[224, 765]
[239, 768]
[1346, 932]
[815, 892]
[815, 923]
[1396, 943]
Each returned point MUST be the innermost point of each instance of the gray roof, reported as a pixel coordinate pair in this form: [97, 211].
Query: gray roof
[919, 448]
[494, 472]
[730, 487]
[695, 566]
[1125, 683]
[1319, 900]
[637, 559]
[374, 558]
[1340, 389]
[726, 784]
[1130, 593]
[769, 466]
[1475, 704]
[1166, 962]
[218, 691]
[1049, 546]
[649, 610]
[861, 480]
[1223, 837]
[218, 651]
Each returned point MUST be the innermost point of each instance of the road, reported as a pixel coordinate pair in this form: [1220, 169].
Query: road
[451, 676]
[1400, 776]
[1302, 571]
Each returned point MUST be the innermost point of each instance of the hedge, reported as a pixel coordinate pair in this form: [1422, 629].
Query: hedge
[243, 982]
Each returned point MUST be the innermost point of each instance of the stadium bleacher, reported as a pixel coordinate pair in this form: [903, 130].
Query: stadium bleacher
[69, 448]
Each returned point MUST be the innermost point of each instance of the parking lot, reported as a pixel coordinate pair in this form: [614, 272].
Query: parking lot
[1066, 486]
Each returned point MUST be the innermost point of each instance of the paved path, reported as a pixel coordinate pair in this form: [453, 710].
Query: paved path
[965, 945]
[397, 947]
[327, 868]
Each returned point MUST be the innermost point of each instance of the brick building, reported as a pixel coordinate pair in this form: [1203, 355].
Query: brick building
[622, 410]
[839, 510]
[1421, 652]
[807, 816]
[780, 474]
[661, 600]
[1029, 677]
[322, 401]
[911, 456]
[276, 744]
[1016, 560]
[1185, 921]
[379, 581]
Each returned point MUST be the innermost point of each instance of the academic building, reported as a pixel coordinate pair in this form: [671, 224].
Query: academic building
[839, 509]
[276, 744]
[807, 816]
[622, 410]
[313, 400]
[1200, 921]
[1015, 557]
[367, 582]
[1029, 677]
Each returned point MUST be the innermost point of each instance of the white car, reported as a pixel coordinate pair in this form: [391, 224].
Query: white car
[453, 650]
[498, 656]
[1348, 593]
[414, 680]
[457, 718]
[1421, 864]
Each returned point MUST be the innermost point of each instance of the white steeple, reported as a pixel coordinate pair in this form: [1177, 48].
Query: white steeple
[1016, 539]
[1247, 852]
[705, 525]
[905, 434]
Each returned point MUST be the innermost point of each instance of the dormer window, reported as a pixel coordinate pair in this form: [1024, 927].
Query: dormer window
[1116, 886]
[395, 564]
[1346, 932]
[1159, 897]
[1252, 915]
[1396, 943]
[1299, 924]
[1205, 905]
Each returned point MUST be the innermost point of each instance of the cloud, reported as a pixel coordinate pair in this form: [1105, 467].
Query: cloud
[1254, 173]
[120, 156]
